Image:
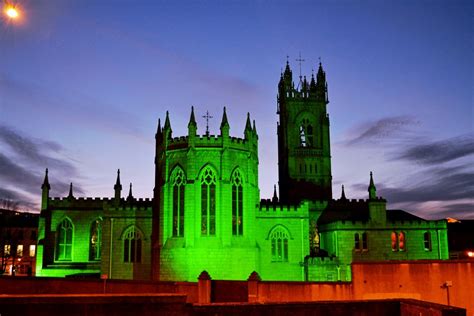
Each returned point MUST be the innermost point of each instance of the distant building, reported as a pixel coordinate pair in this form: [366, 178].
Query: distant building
[18, 236]
[461, 239]
[206, 213]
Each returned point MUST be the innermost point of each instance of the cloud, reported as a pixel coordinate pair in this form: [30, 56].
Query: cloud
[461, 210]
[432, 177]
[435, 184]
[22, 168]
[32, 150]
[437, 152]
[452, 187]
[11, 195]
[382, 129]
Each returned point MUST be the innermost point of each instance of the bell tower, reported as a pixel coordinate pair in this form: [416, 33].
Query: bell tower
[304, 154]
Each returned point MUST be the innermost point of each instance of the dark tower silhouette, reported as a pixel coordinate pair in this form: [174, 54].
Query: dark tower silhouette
[304, 154]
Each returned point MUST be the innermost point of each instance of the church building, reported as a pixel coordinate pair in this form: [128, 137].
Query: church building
[206, 213]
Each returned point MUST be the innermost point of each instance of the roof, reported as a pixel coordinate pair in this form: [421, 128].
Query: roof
[344, 210]
[400, 215]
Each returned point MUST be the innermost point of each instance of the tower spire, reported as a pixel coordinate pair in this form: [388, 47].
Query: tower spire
[288, 75]
[275, 196]
[192, 119]
[321, 84]
[45, 184]
[343, 194]
[248, 125]
[224, 121]
[45, 187]
[70, 196]
[130, 195]
[118, 186]
[158, 129]
[372, 190]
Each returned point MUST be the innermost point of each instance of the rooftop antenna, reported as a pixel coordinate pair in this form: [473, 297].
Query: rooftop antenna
[207, 117]
[299, 60]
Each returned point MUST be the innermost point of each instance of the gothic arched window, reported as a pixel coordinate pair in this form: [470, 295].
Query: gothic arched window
[427, 241]
[208, 202]
[95, 240]
[279, 238]
[64, 241]
[132, 245]
[394, 238]
[178, 181]
[237, 204]
[401, 241]
[365, 245]
[357, 242]
[306, 134]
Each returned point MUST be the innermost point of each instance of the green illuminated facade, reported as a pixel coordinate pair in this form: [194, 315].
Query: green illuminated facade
[206, 212]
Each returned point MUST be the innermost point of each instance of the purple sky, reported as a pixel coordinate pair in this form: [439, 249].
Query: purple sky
[83, 83]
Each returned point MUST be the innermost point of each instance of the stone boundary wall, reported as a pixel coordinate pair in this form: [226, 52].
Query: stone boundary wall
[426, 280]
[47, 285]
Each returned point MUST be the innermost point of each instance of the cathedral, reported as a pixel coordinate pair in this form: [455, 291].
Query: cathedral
[206, 213]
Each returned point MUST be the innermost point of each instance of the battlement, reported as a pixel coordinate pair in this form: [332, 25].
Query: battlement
[81, 202]
[420, 223]
[269, 208]
[97, 202]
[211, 141]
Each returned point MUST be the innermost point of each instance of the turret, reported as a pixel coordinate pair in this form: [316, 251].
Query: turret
[225, 124]
[377, 206]
[70, 195]
[130, 195]
[275, 196]
[167, 127]
[312, 85]
[288, 77]
[372, 190]
[118, 187]
[192, 126]
[248, 132]
[45, 187]
[304, 87]
[343, 194]
[321, 85]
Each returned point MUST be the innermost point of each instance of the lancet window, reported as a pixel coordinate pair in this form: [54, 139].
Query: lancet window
[237, 204]
[178, 182]
[208, 202]
[132, 246]
[95, 240]
[64, 241]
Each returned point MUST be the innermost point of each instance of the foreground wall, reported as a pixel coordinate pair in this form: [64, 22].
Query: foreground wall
[421, 280]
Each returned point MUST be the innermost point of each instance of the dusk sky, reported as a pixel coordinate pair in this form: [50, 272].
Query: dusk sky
[83, 83]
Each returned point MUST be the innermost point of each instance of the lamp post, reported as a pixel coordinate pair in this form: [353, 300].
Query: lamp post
[446, 285]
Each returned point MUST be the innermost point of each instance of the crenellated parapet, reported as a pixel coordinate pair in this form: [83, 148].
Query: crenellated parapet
[165, 142]
[78, 203]
[268, 208]
[82, 203]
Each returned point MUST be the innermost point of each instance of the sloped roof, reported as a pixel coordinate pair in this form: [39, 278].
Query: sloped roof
[400, 215]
